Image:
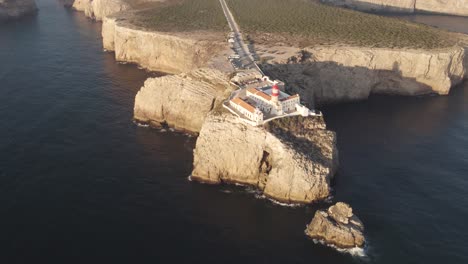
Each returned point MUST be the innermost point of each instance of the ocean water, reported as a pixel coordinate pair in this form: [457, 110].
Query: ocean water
[80, 183]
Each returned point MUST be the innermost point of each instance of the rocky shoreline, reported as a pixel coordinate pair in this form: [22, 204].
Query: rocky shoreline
[291, 160]
[14, 9]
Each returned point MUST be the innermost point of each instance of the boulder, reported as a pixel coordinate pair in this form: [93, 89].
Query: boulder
[338, 227]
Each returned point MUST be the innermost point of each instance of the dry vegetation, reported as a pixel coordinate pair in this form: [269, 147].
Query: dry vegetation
[305, 23]
[185, 15]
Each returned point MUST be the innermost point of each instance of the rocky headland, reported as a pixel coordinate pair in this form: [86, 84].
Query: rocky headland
[182, 101]
[291, 160]
[285, 164]
[324, 75]
[14, 9]
[337, 227]
[453, 7]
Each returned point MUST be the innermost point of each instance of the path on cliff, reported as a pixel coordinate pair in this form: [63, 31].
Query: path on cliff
[239, 45]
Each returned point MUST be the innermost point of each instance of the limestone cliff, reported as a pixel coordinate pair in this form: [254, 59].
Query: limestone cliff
[13, 9]
[291, 160]
[449, 7]
[400, 6]
[333, 74]
[98, 9]
[181, 101]
[159, 51]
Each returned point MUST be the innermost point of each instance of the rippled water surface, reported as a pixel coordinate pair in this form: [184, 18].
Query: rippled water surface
[80, 183]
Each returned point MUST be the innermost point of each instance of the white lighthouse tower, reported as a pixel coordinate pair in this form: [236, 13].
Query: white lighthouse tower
[275, 92]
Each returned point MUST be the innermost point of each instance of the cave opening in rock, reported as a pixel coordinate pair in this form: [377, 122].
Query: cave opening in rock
[264, 169]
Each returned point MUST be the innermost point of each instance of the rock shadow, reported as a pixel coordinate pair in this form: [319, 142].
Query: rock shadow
[322, 83]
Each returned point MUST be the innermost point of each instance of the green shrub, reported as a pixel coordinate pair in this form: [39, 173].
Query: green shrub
[186, 15]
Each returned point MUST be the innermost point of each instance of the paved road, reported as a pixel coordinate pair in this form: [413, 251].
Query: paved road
[240, 47]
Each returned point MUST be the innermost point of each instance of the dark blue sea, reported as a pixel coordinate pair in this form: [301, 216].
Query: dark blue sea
[81, 183]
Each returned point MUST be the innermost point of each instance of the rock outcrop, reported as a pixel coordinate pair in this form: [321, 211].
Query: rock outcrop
[325, 75]
[338, 227]
[399, 6]
[13, 9]
[159, 51]
[290, 160]
[181, 101]
[448, 7]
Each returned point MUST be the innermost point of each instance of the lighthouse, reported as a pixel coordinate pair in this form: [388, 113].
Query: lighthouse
[275, 93]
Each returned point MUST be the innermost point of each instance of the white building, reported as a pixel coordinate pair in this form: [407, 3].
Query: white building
[261, 99]
[272, 101]
[248, 110]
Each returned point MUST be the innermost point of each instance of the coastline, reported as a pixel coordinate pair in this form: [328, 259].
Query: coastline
[328, 75]
[371, 70]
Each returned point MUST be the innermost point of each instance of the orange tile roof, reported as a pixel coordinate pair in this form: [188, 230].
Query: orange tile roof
[290, 97]
[259, 93]
[243, 104]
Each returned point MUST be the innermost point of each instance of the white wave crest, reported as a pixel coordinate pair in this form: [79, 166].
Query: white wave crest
[140, 124]
[355, 251]
[263, 197]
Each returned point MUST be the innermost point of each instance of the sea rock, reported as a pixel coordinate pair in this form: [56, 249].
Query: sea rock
[452, 7]
[181, 101]
[336, 74]
[13, 9]
[290, 160]
[340, 212]
[160, 51]
[339, 227]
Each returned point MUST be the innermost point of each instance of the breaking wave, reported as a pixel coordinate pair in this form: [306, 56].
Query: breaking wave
[355, 251]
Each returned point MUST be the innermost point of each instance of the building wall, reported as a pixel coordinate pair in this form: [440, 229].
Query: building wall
[252, 116]
[290, 105]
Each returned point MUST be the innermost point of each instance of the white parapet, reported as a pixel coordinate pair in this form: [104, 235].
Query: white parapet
[302, 110]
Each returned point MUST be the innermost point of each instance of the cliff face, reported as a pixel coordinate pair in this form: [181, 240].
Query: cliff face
[401, 6]
[158, 51]
[181, 101]
[98, 9]
[13, 9]
[291, 162]
[333, 74]
[452, 7]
